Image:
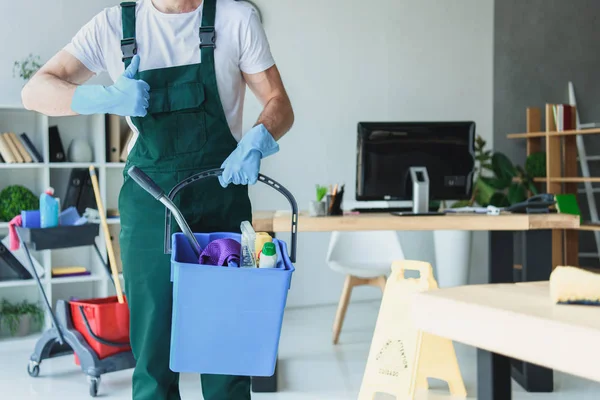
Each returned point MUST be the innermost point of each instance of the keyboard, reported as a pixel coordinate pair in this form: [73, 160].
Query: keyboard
[381, 210]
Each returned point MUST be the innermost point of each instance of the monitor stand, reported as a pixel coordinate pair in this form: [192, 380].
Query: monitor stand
[420, 181]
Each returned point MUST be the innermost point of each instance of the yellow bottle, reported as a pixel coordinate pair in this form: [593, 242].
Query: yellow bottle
[261, 239]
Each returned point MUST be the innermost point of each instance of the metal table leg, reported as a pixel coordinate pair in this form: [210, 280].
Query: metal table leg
[493, 370]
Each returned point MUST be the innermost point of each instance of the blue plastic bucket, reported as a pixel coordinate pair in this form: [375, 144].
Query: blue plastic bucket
[226, 320]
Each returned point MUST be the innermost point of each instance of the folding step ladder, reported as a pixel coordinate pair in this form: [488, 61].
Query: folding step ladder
[584, 159]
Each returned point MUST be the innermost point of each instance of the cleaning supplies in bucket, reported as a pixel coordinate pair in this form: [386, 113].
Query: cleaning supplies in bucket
[248, 245]
[261, 239]
[222, 252]
[268, 256]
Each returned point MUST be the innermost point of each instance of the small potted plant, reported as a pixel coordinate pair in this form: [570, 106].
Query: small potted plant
[318, 208]
[21, 319]
[26, 68]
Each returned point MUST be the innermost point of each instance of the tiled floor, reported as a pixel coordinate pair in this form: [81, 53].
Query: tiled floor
[311, 368]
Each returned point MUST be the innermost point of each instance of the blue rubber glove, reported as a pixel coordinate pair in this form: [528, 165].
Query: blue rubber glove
[128, 97]
[242, 166]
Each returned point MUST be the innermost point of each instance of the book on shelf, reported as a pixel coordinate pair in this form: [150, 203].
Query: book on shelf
[33, 152]
[564, 117]
[10, 267]
[57, 151]
[64, 272]
[13, 148]
[17, 149]
[87, 198]
[76, 180]
[20, 148]
[6, 151]
[80, 192]
[113, 137]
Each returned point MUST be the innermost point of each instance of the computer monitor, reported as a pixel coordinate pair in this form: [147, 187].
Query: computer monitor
[387, 151]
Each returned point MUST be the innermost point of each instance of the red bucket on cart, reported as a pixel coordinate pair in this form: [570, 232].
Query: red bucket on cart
[104, 323]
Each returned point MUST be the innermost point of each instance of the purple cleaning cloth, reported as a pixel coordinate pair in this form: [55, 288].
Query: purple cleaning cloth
[221, 252]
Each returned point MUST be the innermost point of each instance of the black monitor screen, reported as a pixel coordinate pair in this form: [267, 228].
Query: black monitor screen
[387, 151]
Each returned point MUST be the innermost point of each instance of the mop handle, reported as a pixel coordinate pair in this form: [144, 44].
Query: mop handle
[109, 247]
[151, 187]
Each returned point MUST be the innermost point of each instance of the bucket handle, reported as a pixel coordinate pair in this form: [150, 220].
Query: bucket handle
[143, 180]
[96, 337]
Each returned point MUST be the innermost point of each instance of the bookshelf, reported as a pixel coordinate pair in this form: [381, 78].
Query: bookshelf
[37, 177]
[561, 162]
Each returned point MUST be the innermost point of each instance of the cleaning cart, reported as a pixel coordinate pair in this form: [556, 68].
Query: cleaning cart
[95, 330]
[242, 306]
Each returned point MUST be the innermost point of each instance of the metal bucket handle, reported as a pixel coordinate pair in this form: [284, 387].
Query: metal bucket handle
[146, 183]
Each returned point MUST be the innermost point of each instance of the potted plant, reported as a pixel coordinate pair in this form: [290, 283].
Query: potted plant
[26, 68]
[497, 182]
[14, 199]
[20, 319]
[318, 208]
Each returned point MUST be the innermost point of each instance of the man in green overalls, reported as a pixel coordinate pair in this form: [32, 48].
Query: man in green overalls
[180, 69]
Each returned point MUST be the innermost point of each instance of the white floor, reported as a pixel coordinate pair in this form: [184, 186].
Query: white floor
[311, 368]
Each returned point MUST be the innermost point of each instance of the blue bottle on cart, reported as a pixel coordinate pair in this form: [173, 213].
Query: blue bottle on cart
[49, 210]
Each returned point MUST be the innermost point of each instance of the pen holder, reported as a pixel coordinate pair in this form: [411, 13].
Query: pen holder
[335, 209]
[317, 209]
[328, 200]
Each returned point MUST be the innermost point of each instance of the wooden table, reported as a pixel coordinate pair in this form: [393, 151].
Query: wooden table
[515, 320]
[534, 232]
[278, 221]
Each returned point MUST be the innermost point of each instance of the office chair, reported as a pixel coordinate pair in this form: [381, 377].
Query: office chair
[365, 258]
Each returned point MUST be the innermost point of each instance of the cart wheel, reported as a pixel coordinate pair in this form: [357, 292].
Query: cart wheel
[33, 369]
[94, 384]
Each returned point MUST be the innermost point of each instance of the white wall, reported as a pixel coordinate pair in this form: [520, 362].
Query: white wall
[343, 61]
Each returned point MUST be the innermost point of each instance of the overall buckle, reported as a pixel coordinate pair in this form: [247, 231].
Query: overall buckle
[128, 48]
[207, 37]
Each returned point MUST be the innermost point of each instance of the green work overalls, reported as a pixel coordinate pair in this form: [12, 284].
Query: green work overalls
[184, 132]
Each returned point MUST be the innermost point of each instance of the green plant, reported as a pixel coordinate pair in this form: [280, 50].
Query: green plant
[321, 192]
[26, 68]
[536, 165]
[11, 314]
[497, 181]
[14, 199]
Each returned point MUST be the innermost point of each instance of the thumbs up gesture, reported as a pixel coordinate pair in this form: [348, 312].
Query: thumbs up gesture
[131, 96]
[128, 97]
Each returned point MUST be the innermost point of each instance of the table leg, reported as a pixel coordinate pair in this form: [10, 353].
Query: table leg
[493, 376]
[537, 266]
[493, 370]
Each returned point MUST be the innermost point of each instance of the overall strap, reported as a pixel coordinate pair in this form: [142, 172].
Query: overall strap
[207, 31]
[128, 43]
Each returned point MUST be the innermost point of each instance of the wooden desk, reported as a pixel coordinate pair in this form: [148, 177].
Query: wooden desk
[515, 320]
[533, 231]
[269, 221]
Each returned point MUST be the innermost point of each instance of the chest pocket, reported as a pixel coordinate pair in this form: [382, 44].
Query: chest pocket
[176, 121]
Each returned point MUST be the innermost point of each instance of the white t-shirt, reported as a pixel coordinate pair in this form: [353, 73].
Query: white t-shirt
[169, 40]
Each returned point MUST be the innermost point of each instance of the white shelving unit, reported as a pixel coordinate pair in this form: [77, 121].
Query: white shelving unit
[37, 177]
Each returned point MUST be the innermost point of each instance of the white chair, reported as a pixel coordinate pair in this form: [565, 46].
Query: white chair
[366, 259]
